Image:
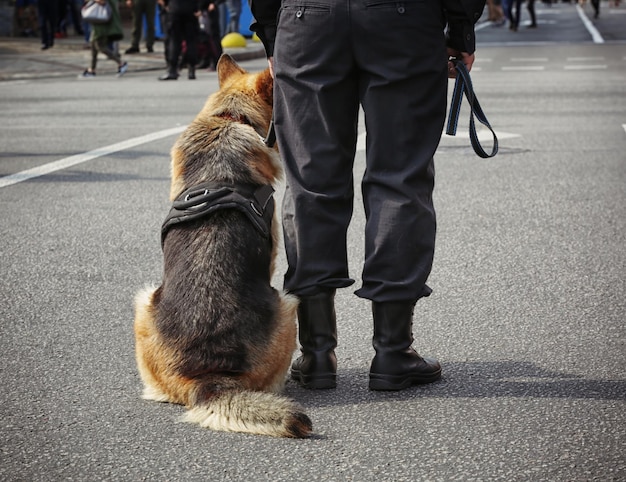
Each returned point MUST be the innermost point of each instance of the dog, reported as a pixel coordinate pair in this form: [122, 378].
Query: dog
[215, 336]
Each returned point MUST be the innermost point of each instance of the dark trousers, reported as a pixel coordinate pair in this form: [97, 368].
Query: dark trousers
[141, 8]
[331, 57]
[181, 27]
[102, 45]
[48, 11]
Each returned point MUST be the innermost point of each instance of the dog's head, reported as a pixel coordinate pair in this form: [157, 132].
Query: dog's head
[225, 141]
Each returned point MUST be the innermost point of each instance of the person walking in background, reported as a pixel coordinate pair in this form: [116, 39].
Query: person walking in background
[329, 58]
[48, 11]
[496, 15]
[210, 34]
[531, 11]
[514, 17]
[69, 11]
[234, 11]
[141, 9]
[182, 25]
[103, 35]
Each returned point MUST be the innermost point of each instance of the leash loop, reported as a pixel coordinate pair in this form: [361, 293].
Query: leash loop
[463, 85]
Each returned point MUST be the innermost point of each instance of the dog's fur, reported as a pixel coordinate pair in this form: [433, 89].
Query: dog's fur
[215, 336]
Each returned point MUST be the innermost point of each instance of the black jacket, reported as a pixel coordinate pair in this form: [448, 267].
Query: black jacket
[461, 15]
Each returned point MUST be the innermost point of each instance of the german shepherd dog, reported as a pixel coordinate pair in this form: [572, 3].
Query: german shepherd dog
[215, 336]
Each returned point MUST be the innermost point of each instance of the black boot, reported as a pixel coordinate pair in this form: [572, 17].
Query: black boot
[171, 74]
[396, 365]
[191, 75]
[317, 330]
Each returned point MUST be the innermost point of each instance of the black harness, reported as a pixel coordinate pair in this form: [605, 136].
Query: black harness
[256, 202]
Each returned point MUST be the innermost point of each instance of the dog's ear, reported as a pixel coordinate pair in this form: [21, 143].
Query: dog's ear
[226, 68]
[265, 86]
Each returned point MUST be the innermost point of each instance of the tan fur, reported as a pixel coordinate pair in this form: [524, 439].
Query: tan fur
[201, 341]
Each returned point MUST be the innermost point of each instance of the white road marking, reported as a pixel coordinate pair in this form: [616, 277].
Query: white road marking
[523, 68]
[483, 135]
[584, 67]
[585, 59]
[486, 135]
[87, 156]
[595, 35]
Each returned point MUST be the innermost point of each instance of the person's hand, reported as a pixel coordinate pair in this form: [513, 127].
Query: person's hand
[467, 59]
[270, 62]
[211, 7]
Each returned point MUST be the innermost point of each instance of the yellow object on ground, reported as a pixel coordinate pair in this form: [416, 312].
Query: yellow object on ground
[233, 40]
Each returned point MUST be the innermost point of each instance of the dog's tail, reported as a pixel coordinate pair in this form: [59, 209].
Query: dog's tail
[259, 413]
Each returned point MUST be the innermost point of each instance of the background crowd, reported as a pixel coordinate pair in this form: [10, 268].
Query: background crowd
[191, 30]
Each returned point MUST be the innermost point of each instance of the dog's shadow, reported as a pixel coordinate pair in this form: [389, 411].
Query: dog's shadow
[474, 380]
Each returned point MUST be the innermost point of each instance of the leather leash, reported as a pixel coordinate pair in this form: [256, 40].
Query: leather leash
[463, 85]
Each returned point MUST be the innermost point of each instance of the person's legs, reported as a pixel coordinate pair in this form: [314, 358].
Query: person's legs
[174, 46]
[531, 11]
[103, 46]
[316, 114]
[150, 12]
[403, 89]
[135, 34]
[94, 56]
[190, 34]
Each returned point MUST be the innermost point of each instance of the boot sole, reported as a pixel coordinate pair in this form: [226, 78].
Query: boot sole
[400, 382]
[315, 382]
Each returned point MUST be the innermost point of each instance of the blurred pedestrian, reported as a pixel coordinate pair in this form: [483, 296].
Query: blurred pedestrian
[182, 25]
[596, 8]
[514, 16]
[234, 12]
[142, 9]
[103, 36]
[330, 58]
[26, 18]
[48, 13]
[210, 39]
[495, 13]
[531, 11]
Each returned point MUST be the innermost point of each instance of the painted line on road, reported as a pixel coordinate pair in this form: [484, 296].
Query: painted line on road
[584, 67]
[482, 134]
[595, 35]
[585, 59]
[87, 156]
[529, 59]
[524, 68]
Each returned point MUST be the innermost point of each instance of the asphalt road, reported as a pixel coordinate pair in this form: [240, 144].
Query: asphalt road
[527, 316]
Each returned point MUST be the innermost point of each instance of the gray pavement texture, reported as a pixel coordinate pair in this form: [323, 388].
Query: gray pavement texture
[527, 316]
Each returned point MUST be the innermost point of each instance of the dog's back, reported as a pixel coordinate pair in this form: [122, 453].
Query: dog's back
[215, 336]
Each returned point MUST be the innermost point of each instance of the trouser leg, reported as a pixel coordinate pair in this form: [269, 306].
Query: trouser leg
[103, 46]
[150, 10]
[94, 55]
[403, 92]
[175, 38]
[316, 127]
[135, 34]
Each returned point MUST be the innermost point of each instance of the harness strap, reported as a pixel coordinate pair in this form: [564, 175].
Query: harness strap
[462, 85]
[270, 138]
[256, 202]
